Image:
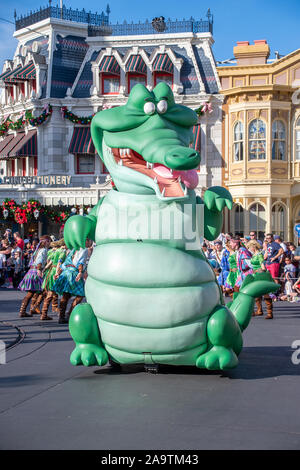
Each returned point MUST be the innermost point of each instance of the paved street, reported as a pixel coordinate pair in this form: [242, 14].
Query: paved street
[48, 404]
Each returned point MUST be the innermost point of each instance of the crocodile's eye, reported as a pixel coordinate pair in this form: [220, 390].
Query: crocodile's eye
[162, 106]
[149, 108]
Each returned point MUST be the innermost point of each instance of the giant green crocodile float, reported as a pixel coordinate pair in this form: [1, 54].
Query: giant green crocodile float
[152, 297]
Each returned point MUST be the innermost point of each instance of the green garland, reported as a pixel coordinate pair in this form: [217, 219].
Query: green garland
[28, 118]
[24, 212]
[76, 119]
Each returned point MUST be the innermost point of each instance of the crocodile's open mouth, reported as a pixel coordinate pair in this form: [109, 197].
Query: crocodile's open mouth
[171, 183]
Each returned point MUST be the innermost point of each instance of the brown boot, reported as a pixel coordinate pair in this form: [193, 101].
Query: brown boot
[35, 304]
[63, 306]
[55, 308]
[46, 304]
[259, 311]
[269, 305]
[24, 304]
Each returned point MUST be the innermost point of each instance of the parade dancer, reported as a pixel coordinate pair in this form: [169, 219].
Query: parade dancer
[33, 279]
[233, 270]
[56, 256]
[257, 265]
[69, 280]
[243, 257]
[225, 269]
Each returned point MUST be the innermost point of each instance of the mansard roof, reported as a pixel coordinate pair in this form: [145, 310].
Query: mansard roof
[188, 73]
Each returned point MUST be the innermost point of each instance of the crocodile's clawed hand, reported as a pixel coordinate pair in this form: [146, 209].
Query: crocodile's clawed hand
[216, 198]
[77, 229]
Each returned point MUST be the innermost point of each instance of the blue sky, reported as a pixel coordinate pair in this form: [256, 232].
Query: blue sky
[276, 21]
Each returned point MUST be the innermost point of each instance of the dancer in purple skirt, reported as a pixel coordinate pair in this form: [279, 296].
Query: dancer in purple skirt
[33, 279]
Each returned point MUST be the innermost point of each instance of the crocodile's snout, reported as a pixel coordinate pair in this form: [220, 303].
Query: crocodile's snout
[182, 158]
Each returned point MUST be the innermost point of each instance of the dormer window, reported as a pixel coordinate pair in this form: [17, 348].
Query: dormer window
[110, 75]
[162, 70]
[136, 71]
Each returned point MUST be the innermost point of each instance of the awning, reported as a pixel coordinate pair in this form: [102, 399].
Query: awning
[26, 147]
[109, 64]
[136, 64]
[162, 63]
[5, 142]
[196, 144]
[81, 141]
[19, 146]
[5, 74]
[10, 78]
[27, 72]
[5, 152]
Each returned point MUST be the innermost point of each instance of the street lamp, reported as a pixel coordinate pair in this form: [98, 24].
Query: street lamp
[5, 213]
[36, 214]
[23, 190]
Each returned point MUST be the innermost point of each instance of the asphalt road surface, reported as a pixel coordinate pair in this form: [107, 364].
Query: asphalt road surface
[46, 403]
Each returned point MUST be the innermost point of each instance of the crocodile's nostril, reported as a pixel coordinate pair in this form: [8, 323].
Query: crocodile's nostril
[183, 158]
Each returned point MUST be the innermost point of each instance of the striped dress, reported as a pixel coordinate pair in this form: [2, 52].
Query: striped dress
[32, 281]
[56, 256]
[67, 279]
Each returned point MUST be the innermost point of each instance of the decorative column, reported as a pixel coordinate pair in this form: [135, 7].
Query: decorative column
[269, 216]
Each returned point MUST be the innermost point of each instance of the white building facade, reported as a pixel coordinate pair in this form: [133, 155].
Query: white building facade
[79, 65]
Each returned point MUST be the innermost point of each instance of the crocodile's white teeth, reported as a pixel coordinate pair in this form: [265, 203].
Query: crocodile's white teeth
[179, 179]
[120, 162]
[155, 180]
[150, 165]
[185, 191]
[124, 152]
[171, 170]
[163, 192]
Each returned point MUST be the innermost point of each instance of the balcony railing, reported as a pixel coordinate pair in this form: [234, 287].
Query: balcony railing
[126, 29]
[98, 24]
[64, 13]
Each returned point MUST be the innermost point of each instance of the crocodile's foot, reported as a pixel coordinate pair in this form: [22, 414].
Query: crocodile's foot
[88, 355]
[217, 358]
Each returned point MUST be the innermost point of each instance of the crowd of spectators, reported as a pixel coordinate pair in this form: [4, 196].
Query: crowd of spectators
[234, 257]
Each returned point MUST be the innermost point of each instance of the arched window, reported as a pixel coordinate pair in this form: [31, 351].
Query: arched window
[136, 70]
[238, 144]
[297, 136]
[257, 140]
[163, 69]
[110, 75]
[238, 220]
[278, 219]
[278, 140]
[257, 220]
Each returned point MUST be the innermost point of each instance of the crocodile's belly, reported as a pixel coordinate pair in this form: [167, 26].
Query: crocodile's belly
[150, 299]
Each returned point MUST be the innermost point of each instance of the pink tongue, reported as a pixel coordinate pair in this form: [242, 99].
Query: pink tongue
[188, 177]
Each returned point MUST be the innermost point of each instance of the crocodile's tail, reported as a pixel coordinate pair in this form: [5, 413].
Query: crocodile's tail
[253, 286]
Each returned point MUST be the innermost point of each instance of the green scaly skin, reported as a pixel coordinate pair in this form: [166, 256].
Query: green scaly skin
[169, 308]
